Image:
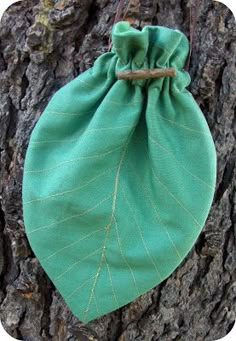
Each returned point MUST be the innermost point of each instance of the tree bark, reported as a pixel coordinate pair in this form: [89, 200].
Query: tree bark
[45, 44]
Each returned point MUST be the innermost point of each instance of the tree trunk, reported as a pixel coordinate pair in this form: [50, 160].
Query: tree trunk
[44, 45]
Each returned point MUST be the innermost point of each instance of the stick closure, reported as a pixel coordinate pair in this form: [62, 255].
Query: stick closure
[146, 73]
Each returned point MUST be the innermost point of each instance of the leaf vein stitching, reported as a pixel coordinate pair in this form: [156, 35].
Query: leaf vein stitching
[96, 303]
[72, 160]
[163, 226]
[85, 132]
[180, 125]
[68, 113]
[72, 190]
[173, 156]
[78, 288]
[76, 264]
[111, 282]
[141, 235]
[124, 258]
[178, 201]
[71, 217]
[72, 244]
[114, 197]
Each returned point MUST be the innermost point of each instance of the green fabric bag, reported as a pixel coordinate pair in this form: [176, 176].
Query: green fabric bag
[119, 175]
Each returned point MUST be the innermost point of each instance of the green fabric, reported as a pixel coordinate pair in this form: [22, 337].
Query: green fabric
[119, 176]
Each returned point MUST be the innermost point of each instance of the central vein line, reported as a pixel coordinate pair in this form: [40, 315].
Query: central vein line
[107, 228]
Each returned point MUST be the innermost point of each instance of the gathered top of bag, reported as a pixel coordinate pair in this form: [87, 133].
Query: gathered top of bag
[149, 48]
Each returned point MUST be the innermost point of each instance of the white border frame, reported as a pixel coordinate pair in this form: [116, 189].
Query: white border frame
[4, 4]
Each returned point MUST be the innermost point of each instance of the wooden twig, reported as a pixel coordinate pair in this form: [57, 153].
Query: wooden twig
[146, 73]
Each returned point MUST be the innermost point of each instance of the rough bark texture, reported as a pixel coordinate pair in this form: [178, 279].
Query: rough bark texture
[43, 45]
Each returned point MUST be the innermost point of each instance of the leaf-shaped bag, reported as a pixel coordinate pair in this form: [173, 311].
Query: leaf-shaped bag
[119, 175]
